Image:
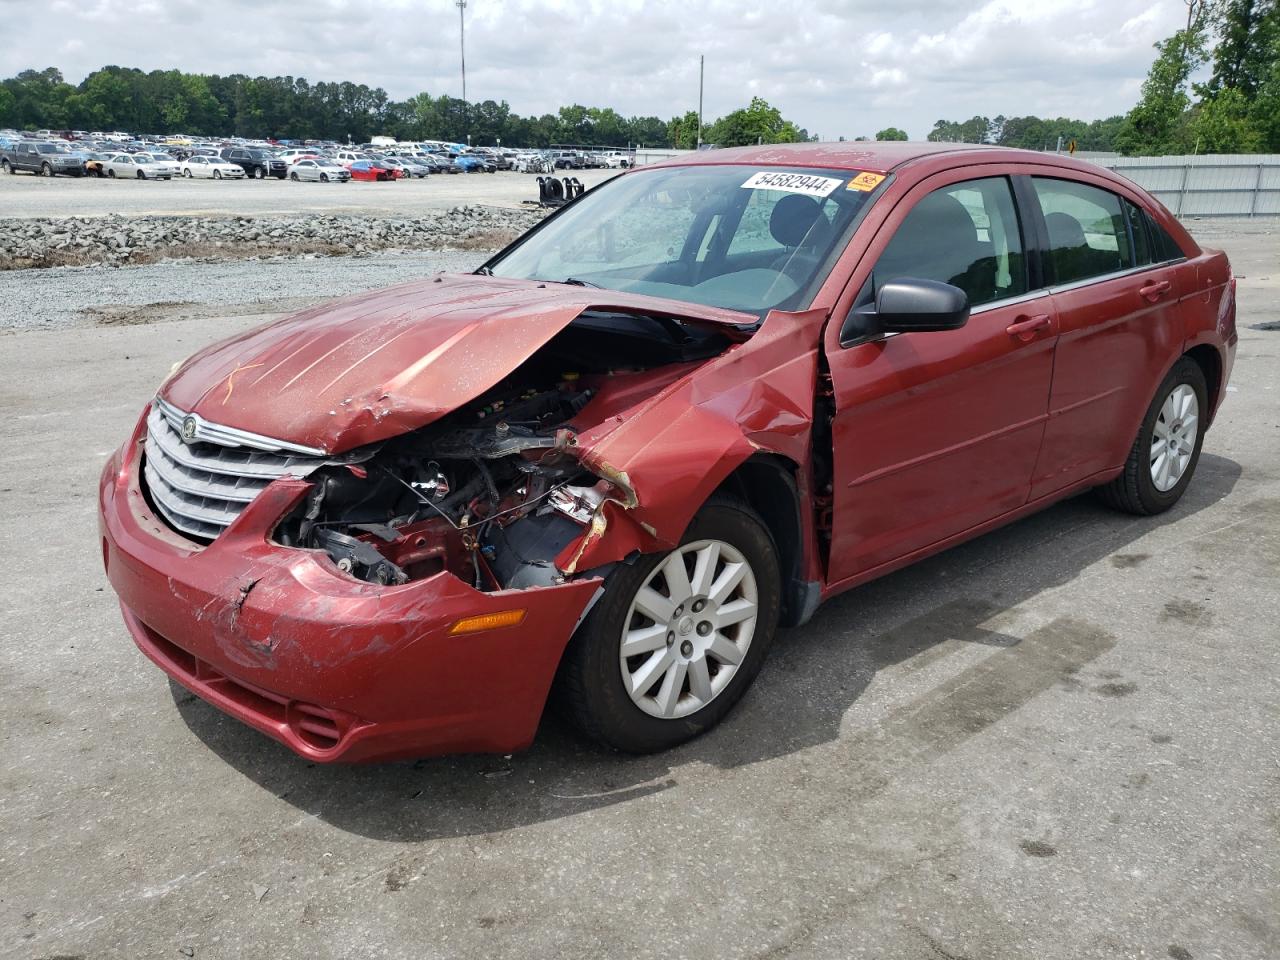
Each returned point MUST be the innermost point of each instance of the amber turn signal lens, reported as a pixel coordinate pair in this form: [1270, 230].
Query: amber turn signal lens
[488, 621]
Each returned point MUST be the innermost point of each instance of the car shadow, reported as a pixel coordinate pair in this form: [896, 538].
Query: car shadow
[965, 595]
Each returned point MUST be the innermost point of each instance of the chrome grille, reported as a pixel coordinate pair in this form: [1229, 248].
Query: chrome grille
[199, 487]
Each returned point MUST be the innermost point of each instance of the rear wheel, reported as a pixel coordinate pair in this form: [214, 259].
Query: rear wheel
[677, 638]
[1165, 453]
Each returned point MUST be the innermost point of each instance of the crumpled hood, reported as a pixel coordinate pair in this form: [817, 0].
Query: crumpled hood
[373, 366]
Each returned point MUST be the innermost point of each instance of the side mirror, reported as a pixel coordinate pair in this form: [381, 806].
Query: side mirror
[908, 305]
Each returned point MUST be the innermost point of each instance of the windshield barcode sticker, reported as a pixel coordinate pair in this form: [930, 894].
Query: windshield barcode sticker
[793, 183]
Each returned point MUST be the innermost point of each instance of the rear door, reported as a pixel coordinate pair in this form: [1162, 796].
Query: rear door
[1120, 327]
[936, 432]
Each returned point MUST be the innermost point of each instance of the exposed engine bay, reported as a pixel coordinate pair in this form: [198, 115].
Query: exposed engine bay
[494, 491]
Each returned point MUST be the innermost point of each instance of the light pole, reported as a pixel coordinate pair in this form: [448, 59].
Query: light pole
[701, 65]
[462, 44]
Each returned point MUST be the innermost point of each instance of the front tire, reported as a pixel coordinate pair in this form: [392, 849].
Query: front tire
[259, 174]
[141, 175]
[46, 170]
[187, 173]
[324, 178]
[1165, 453]
[294, 176]
[677, 638]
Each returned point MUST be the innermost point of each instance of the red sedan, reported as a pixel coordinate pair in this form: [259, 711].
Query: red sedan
[372, 171]
[681, 412]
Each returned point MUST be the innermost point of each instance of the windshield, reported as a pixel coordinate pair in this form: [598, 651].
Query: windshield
[744, 238]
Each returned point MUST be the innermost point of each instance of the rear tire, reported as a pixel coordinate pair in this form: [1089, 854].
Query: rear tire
[601, 690]
[1163, 455]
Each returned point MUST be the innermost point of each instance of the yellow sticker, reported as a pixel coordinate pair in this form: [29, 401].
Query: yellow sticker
[865, 182]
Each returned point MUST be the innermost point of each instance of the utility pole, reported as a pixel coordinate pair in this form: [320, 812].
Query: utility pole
[462, 46]
[701, 65]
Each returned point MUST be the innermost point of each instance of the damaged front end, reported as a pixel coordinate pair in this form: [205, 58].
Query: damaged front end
[498, 493]
[491, 494]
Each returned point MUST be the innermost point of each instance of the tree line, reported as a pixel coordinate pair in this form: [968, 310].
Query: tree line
[1237, 110]
[293, 108]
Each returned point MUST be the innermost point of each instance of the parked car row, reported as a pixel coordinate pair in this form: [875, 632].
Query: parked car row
[74, 153]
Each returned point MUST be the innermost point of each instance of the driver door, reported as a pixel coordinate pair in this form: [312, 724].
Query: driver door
[935, 433]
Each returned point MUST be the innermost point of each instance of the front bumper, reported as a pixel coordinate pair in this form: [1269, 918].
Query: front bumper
[334, 668]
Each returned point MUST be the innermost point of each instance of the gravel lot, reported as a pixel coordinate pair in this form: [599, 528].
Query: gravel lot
[27, 196]
[1061, 740]
[174, 290]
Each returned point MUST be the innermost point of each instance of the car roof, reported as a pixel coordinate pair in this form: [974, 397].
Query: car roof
[872, 156]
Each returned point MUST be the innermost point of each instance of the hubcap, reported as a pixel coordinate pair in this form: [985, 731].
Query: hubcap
[1174, 439]
[689, 628]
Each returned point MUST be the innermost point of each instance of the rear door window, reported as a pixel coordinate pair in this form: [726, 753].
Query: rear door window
[1086, 226]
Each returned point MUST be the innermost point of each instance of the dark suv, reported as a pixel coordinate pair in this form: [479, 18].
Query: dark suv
[256, 164]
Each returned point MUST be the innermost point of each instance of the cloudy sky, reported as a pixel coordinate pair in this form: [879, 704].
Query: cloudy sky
[836, 67]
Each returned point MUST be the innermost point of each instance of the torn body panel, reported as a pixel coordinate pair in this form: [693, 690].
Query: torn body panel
[676, 448]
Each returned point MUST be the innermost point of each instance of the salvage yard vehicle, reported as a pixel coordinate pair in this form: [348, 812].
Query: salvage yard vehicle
[139, 166]
[198, 166]
[163, 162]
[371, 170]
[43, 159]
[257, 164]
[678, 413]
[317, 168]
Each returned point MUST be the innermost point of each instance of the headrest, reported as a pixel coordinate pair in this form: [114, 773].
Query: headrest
[792, 217]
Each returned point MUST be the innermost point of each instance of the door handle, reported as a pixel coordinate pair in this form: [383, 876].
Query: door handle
[1027, 328]
[1154, 291]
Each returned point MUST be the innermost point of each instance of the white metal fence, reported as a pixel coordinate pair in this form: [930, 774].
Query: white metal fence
[1213, 185]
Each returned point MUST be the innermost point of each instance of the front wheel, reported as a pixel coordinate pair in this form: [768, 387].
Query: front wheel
[141, 175]
[294, 176]
[260, 174]
[324, 178]
[217, 174]
[677, 638]
[46, 170]
[187, 173]
[111, 174]
[1164, 455]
